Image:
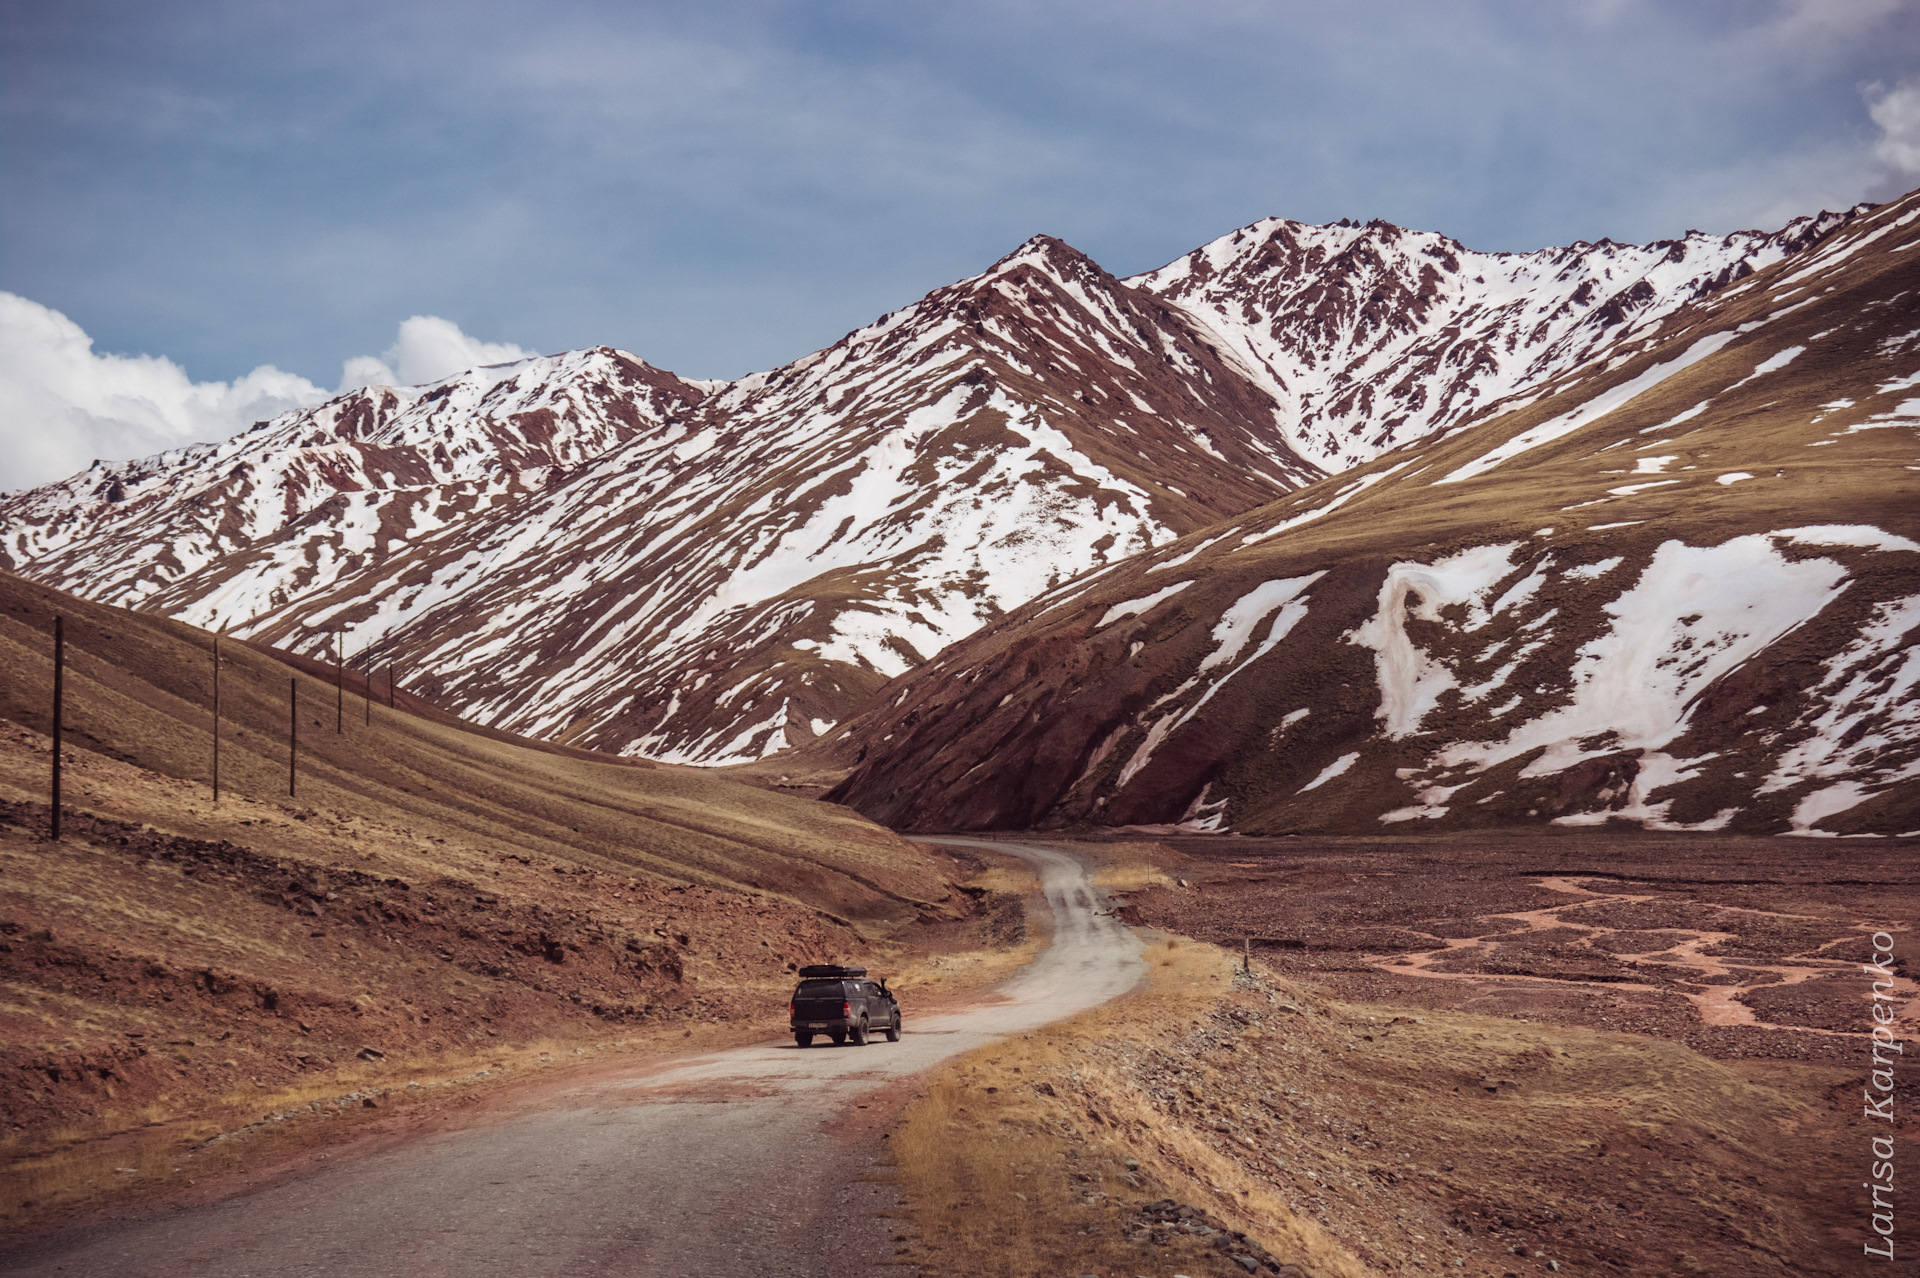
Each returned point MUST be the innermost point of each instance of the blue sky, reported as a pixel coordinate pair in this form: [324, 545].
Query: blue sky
[723, 187]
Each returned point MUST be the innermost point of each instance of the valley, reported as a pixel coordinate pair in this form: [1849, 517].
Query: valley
[191, 991]
[587, 549]
[1370, 756]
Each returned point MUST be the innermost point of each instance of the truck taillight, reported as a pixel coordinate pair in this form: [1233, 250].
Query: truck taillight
[793, 1010]
[846, 1010]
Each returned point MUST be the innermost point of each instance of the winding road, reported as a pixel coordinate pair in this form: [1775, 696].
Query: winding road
[715, 1164]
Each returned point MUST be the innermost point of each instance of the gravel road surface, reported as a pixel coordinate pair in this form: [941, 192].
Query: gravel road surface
[716, 1164]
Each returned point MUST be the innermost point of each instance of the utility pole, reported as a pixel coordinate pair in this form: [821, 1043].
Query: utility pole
[216, 716]
[293, 731]
[59, 697]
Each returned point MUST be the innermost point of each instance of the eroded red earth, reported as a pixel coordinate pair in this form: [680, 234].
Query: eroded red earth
[1734, 947]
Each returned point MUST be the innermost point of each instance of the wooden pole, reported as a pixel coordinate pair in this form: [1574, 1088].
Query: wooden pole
[339, 686]
[293, 731]
[366, 689]
[1246, 954]
[389, 685]
[59, 699]
[216, 716]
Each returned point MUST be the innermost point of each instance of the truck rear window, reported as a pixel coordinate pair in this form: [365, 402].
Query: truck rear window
[819, 989]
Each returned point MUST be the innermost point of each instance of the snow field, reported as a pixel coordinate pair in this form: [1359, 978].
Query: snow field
[1692, 615]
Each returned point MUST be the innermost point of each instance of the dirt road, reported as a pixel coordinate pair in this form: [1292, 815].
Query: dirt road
[708, 1165]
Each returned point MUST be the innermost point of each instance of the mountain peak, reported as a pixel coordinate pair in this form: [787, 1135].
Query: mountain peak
[1045, 252]
[586, 546]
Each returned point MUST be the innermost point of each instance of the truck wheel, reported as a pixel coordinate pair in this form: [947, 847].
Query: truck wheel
[859, 1033]
[838, 1036]
[893, 1031]
[803, 1038]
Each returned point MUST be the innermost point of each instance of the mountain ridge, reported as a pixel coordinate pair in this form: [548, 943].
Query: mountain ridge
[713, 573]
[1303, 292]
[1503, 626]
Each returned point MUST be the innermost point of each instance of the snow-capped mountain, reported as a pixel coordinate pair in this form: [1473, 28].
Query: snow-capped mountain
[236, 530]
[1680, 589]
[1370, 336]
[743, 577]
[732, 571]
[588, 548]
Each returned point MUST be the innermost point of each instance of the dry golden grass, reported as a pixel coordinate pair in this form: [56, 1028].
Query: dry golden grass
[150, 1127]
[1024, 1158]
[1346, 1139]
[1131, 877]
[211, 1070]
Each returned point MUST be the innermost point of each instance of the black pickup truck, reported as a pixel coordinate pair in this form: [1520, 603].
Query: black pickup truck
[843, 1004]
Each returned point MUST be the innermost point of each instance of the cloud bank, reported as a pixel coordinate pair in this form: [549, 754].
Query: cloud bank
[427, 349]
[1897, 112]
[67, 404]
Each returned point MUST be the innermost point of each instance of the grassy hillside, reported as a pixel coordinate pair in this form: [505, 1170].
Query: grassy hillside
[435, 905]
[140, 690]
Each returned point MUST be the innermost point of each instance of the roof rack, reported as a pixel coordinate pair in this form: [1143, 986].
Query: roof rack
[828, 971]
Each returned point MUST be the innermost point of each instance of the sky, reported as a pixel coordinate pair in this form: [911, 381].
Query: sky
[213, 210]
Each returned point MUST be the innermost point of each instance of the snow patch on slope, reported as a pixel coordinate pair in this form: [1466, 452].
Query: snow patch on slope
[1411, 682]
[1861, 738]
[1693, 615]
[1591, 411]
[1278, 599]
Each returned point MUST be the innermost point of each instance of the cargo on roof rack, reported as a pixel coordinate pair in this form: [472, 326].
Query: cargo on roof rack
[843, 1004]
[829, 971]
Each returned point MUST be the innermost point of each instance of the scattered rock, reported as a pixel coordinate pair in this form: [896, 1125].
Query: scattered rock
[1171, 1217]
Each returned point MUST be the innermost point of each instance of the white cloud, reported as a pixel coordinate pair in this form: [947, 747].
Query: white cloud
[1897, 112]
[67, 404]
[1766, 191]
[427, 349]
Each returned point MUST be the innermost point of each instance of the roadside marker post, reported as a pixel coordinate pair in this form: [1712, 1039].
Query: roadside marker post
[59, 699]
[366, 690]
[1246, 954]
[293, 731]
[339, 687]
